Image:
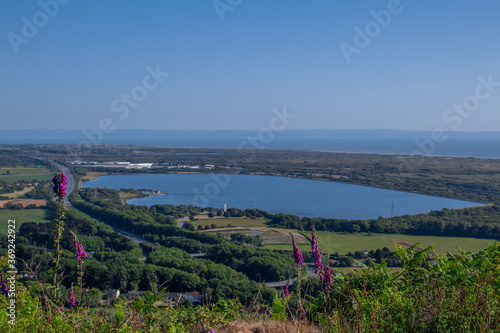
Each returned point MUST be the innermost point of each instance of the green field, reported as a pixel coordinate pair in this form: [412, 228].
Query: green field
[22, 216]
[127, 196]
[27, 174]
[332, 242]
[92, 176]
[222, 222]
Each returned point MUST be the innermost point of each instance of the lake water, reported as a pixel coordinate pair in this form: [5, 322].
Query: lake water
[300, 197]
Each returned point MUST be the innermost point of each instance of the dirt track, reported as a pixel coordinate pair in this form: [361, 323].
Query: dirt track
[408, 245]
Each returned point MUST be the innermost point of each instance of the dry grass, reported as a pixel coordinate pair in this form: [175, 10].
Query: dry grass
[282, 236]
[17, 194]
[203, 220]
[270, 327]
[24, 202]
[269, 236]
[92, 176]
[205, 217]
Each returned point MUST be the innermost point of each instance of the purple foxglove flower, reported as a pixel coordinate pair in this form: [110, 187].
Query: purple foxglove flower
[5, 290]
[60, 181]
[79, 250]
[72, 301]
[328, 277]
[316, 253]
[285, 291]
[296, 251]
[302, 312]
[64, 179]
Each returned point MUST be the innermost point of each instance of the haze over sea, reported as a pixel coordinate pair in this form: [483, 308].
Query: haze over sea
[458, 144]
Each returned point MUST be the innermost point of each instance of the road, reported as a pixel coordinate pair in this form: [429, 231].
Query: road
[278, 284]
[181, 221]
[136, 238]
[71, 186]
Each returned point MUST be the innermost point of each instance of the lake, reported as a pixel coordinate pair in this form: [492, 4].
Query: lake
[300, 197]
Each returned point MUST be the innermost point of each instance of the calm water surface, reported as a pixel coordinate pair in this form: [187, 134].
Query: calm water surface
[300, 197]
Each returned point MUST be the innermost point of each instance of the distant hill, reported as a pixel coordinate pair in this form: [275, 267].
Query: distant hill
[74, 136]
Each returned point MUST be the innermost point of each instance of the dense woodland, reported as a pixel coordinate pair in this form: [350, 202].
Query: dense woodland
[479, 222]
[115, 260]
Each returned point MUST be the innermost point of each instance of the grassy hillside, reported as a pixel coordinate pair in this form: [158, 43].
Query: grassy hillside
[23, 216]
[27, 174]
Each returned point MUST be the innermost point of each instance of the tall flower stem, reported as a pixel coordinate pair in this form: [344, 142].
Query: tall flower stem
[72, 301]
[80, 255]
[324, 274]
[299, 261]
[60, 181]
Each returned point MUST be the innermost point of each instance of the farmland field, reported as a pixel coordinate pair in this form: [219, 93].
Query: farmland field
[222, 222]
[24, 202]
[23, 216]
[17, 194]
[341, 243]
[27, 174]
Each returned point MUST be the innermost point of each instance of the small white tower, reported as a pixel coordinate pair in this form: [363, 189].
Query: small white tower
[225, 207]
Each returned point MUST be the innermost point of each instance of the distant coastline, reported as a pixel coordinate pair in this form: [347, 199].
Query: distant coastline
[132, 193]
[457, 144]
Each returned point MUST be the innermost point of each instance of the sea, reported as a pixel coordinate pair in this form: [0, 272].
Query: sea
[454, 144]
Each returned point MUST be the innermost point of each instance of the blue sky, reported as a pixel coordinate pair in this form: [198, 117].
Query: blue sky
[232, 73]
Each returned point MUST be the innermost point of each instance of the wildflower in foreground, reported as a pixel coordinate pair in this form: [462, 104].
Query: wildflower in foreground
[302, 312]
[328, 277]
[72, 301]
[316, 253]
[79, 250]
[285, 292]
[60, 182]
[296, 251]
[299, 261]
[4, 288]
